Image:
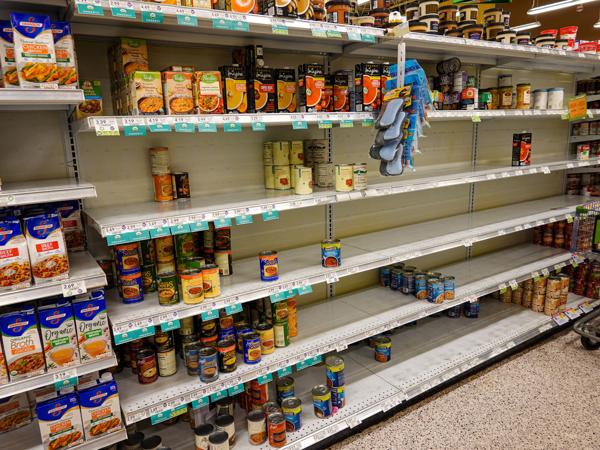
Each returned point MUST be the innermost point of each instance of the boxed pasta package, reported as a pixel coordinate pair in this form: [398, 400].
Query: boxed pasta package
[59, 337]
[66, 59]
[21, 342]
[91, 321]
[15, 269]
[60, 422]
[14, 412]
[100, 410]
[8, 65]
[34, 51]
[47, 249]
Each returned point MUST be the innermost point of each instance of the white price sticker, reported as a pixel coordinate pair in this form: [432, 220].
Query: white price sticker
[168, 317]
[332, 278]
[545, 272]
[64, 375]
[107, 126]
[72, 288]
[491, 176]
[513, 284]
[546, 170]
[353, 421]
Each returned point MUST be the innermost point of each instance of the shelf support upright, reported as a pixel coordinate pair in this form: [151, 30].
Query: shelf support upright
[71, 153]
[329, 208]
[474, 145]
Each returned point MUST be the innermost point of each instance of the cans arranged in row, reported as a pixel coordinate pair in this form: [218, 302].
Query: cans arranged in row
[431, 286]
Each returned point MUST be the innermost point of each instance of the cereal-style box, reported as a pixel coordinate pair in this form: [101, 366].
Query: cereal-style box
[60, 422]
[47, 248]
[15, 270]
[100, 410]
[59, 337]
[93, 334]
[8, 65]
[66, 59]
[22, 345]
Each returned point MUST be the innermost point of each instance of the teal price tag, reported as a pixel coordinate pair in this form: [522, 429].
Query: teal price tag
[134, 130]
[184, 127]
[325, 124]
[67, 382]
[233, 309]
[200, 402]
[346, 124]
[284, 372]
[367, 123]
[90, 10]
[222, 223]
[170, 325]
[159, 232]
[258, 126]
[368, 38]
[244, 219]
[236, 389]
[219, 395]
[304, 289]
[187, 21]
[133, 335]
[239, 25]
[180, 229]
[279, 297]
[210, 315]
[123, 12]
[299, 125]
[354, 36]
[207, 127]
[152, 17]
[309, 362]
[168, 414]
[264, 379]
[279, 29]
[221, 24]
[318, 32]
[159, 127]
[334, 34]
[130, 236]
[199, 226]
[270, 215]
[232, 127]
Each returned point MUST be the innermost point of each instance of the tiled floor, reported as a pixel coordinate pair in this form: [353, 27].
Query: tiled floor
[547, 397]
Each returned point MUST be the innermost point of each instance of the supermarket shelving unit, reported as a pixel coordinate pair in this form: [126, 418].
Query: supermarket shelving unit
[436, 351]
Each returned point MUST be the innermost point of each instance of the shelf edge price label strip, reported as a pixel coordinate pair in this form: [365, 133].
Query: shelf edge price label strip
[73, 288]
[106, 127]
[90, 8]
[121, 9]
[67, 378]
[134, 126]
[278, 26]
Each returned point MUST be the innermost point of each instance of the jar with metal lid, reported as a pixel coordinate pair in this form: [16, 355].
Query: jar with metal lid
[468, 12]
[448, 13]
[505, 97]
[493, 15]
[432, 21]
[492, 29]
[523, 96]
[338, 11]
[412, 11]
[427, 7]
[454, 33]
[506, 18]
[473, 32]
[506, 37]
[380, 16]
[447, 25]
[523, 38]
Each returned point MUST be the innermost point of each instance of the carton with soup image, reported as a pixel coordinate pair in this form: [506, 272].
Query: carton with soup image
[59, 337]
[92, 328]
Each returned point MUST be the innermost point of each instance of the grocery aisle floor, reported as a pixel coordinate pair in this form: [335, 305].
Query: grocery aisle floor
[546, 397]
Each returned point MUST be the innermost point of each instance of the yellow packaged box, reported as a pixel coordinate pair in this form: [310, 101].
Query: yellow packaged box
[146, 94]
[130, 55]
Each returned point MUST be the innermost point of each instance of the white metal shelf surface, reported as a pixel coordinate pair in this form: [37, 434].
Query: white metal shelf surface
[29, 99]
[28, 438]
[82, 267]
[16, 387]
[587, 138]
[29, 192]
[335, 324]
[301, 266]
[115, 220]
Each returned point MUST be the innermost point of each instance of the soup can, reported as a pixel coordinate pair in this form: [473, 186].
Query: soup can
[192, 291]
[257, 427]
[471, 309]
[240, 331]
[226, 423]
[146, 365]
[227, 355]
[292, 409]
[338, 398]
[408, 282]
[359, 176]
[421, 286]
[209, 341]
[267, 153]
[187, 326]
[296, 152]
[396, 278]
[131, 287]
[225, 333]
[335, 371]
[167, 363]
[279, 311]
[449, 287]
[163, 187]
[208, 364]
[181, 184]
[324, 175]
[127, 257]
[383, 348]
[219, 440]
[331, 253]
[343, 177]
[384, 276]
[252, 353]
[165, 249]
[303, 180]
[454, 312]
[281, 178]
[201, 434]
[267, 339]
[211, 281]
[322, 401]
[269, 265]
[292, 317]
[224, 261]
[159, 160]
[186, 245]
[319, 151]
[282, 334]
[168, 289]
[165, 266]
[435, 290]
[149, 282]
[208, 327]
[276, 429]
[285, 388]
[223, 238]
[191, 354]
[281, 153]
[269, 177]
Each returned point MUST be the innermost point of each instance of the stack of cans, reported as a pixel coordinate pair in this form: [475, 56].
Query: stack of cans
[336, 382]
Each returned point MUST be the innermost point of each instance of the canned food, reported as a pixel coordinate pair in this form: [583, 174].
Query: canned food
[208, 327]
[163, 187]
[276, 429]
[281, 153]
[201, 434]
[167, 363]
[209, 341]
[282, 178]
[165, 251]
[187, 326]
[226, 423]
[191, 354]
[359, 176]
[292, 317]
[146, 366]
[197, 262]
[303, 180]
[223, 238]
[322, 401]
[259, 393]
[208, 365]
[186, 245]
[181, 184]
[331, 253]
[159, 160]
[408, 281]
[219, 440]
[131, 287]
[421, 286]
[168, 289]
[269, 176]
[292, 409]
[128, 258]
[296, 152]
[449, 287]
[267, 339]
[149, 282]
[454, 312]
[227, 355]
[471, 309]
[192, 291]
[268, 153]
[282, 334]
[108, 267]
[435, 290]
[285, 388]
[338, 398]
[224, 261]
[165, 267]
[225, 333]
[343, 177]
[396, 278]
[211, 281]
[162, 339]
[252, 353]
[383, 348]
[279, 311]
[324, 174]
[269, 265]
[240, 331]
[270, 408]
[335, 371]
[384, 276]
[257, 427]
[226, 320]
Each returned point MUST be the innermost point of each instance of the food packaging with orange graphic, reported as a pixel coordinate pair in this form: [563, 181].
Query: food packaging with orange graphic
[47, 248]
[145, 94]
[130, 55]
[59, 338]
[21, 341]
[286, 90]
[15, 269]
[367, 83]
[262, 99]
[14, 412]
[385, 76]
[8, 65]
[242, 6]
[66, 60]
[60, 422]
[100, 408]
[178, 93]
[91, 321]
[280, 8]
[341, 91]
[305, 10]
[235, 89]
[163, 187]
[328, 94]
[311, 83]
[521, 149]
[208, 92]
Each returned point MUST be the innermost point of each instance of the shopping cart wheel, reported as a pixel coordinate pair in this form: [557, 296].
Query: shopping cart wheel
[589, 344]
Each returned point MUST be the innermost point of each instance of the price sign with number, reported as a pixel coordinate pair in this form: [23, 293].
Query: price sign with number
[106, 126]
[72, 288]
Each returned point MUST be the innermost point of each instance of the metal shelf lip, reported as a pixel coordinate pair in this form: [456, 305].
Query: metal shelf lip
[333, 325]
[589, 137]
[40, 98]
[28, 438]
[83, 267]
[115, 220]
[29, 192]
[496, 114]
[593, 98]
[16, 387]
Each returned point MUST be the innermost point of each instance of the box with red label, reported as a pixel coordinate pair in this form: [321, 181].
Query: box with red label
[70, 216]
[47, 249]
[15, 270]
[367, 83]
[311, 84]
[262, 86]
[521, 149]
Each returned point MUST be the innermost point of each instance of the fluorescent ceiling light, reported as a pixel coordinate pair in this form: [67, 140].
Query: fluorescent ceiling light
[527, 26]
[556, 5]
